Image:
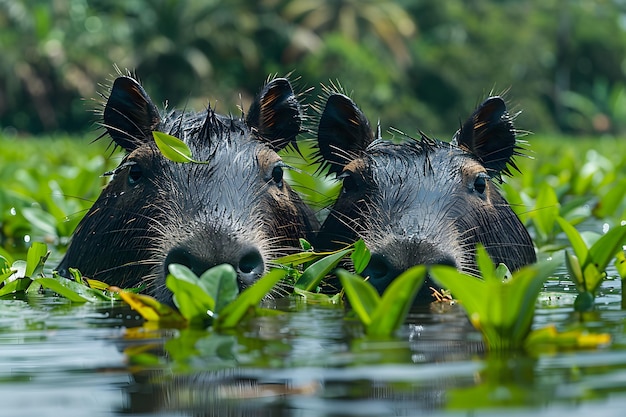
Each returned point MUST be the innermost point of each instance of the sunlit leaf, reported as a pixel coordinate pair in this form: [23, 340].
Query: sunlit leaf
[69, 289]
[36, 258]
[97, 285]
[313, 275]
[299, 258]
[152, 310]
[363, 297]
[172, 148]
[551, 338]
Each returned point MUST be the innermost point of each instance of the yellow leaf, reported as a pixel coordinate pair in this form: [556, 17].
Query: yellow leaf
[97, 285]
[571, 339]
[152, 310]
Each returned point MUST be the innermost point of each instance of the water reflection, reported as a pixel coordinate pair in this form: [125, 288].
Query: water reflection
[62, 359]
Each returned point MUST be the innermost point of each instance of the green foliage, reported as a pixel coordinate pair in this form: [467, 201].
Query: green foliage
[587, 265]
[502, 309]
[47, 186]
[382, 316]
[172, 148]
[309, 268]
[415, 64]
[213, 298]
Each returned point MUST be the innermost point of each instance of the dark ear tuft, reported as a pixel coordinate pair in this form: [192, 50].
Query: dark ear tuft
[129, 115]
[343, 133]
[489, 134]
[275, 114]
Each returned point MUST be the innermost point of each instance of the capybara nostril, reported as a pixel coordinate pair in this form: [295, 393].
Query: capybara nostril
[250, 266]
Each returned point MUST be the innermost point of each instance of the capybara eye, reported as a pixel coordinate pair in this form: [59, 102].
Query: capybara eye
[480, 182]
[134, 174]
[277, 175]
[349, 183]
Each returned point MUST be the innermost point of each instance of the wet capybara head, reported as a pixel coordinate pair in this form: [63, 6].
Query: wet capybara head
[234, 208]
[422, 201]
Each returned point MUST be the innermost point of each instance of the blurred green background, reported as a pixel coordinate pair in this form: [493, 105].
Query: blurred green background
[415, 64]
[419, 64]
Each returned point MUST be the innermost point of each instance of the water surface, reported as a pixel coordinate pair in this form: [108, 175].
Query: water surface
[63, 359]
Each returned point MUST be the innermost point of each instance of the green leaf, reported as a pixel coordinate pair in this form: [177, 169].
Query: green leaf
[471, 291]
[526, 284]
[318, 298]
[193, 301]
[572, 264]
[593, 277]
[546, 211]
[620, 264]
[36, 258]
[503, 273]
[300, 258]
[485, 264]
[575, 239]
[5, 269]
[501, 311]
[234, 312]
[17, 281]
[15, 285]
[396, 302]
[69, 289]
[363, 297]
[220, 282]
[313, 275]
[172, 148]
[305, 245]
[361, 256]
[577, 338]
[606, 247]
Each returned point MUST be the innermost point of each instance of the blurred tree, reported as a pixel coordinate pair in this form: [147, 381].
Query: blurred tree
[415, 64]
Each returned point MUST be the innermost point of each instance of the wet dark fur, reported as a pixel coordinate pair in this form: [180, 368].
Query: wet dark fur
[422, 201]
[236, 209]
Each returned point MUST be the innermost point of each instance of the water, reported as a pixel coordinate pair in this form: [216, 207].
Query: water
[62, 359]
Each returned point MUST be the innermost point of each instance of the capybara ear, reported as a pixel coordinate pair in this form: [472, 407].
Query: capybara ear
[343, 133]
[275, 114]
[489, 134]
[130, 116]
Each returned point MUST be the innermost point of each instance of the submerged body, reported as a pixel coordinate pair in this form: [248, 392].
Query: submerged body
[422, 201]
[234, 209]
